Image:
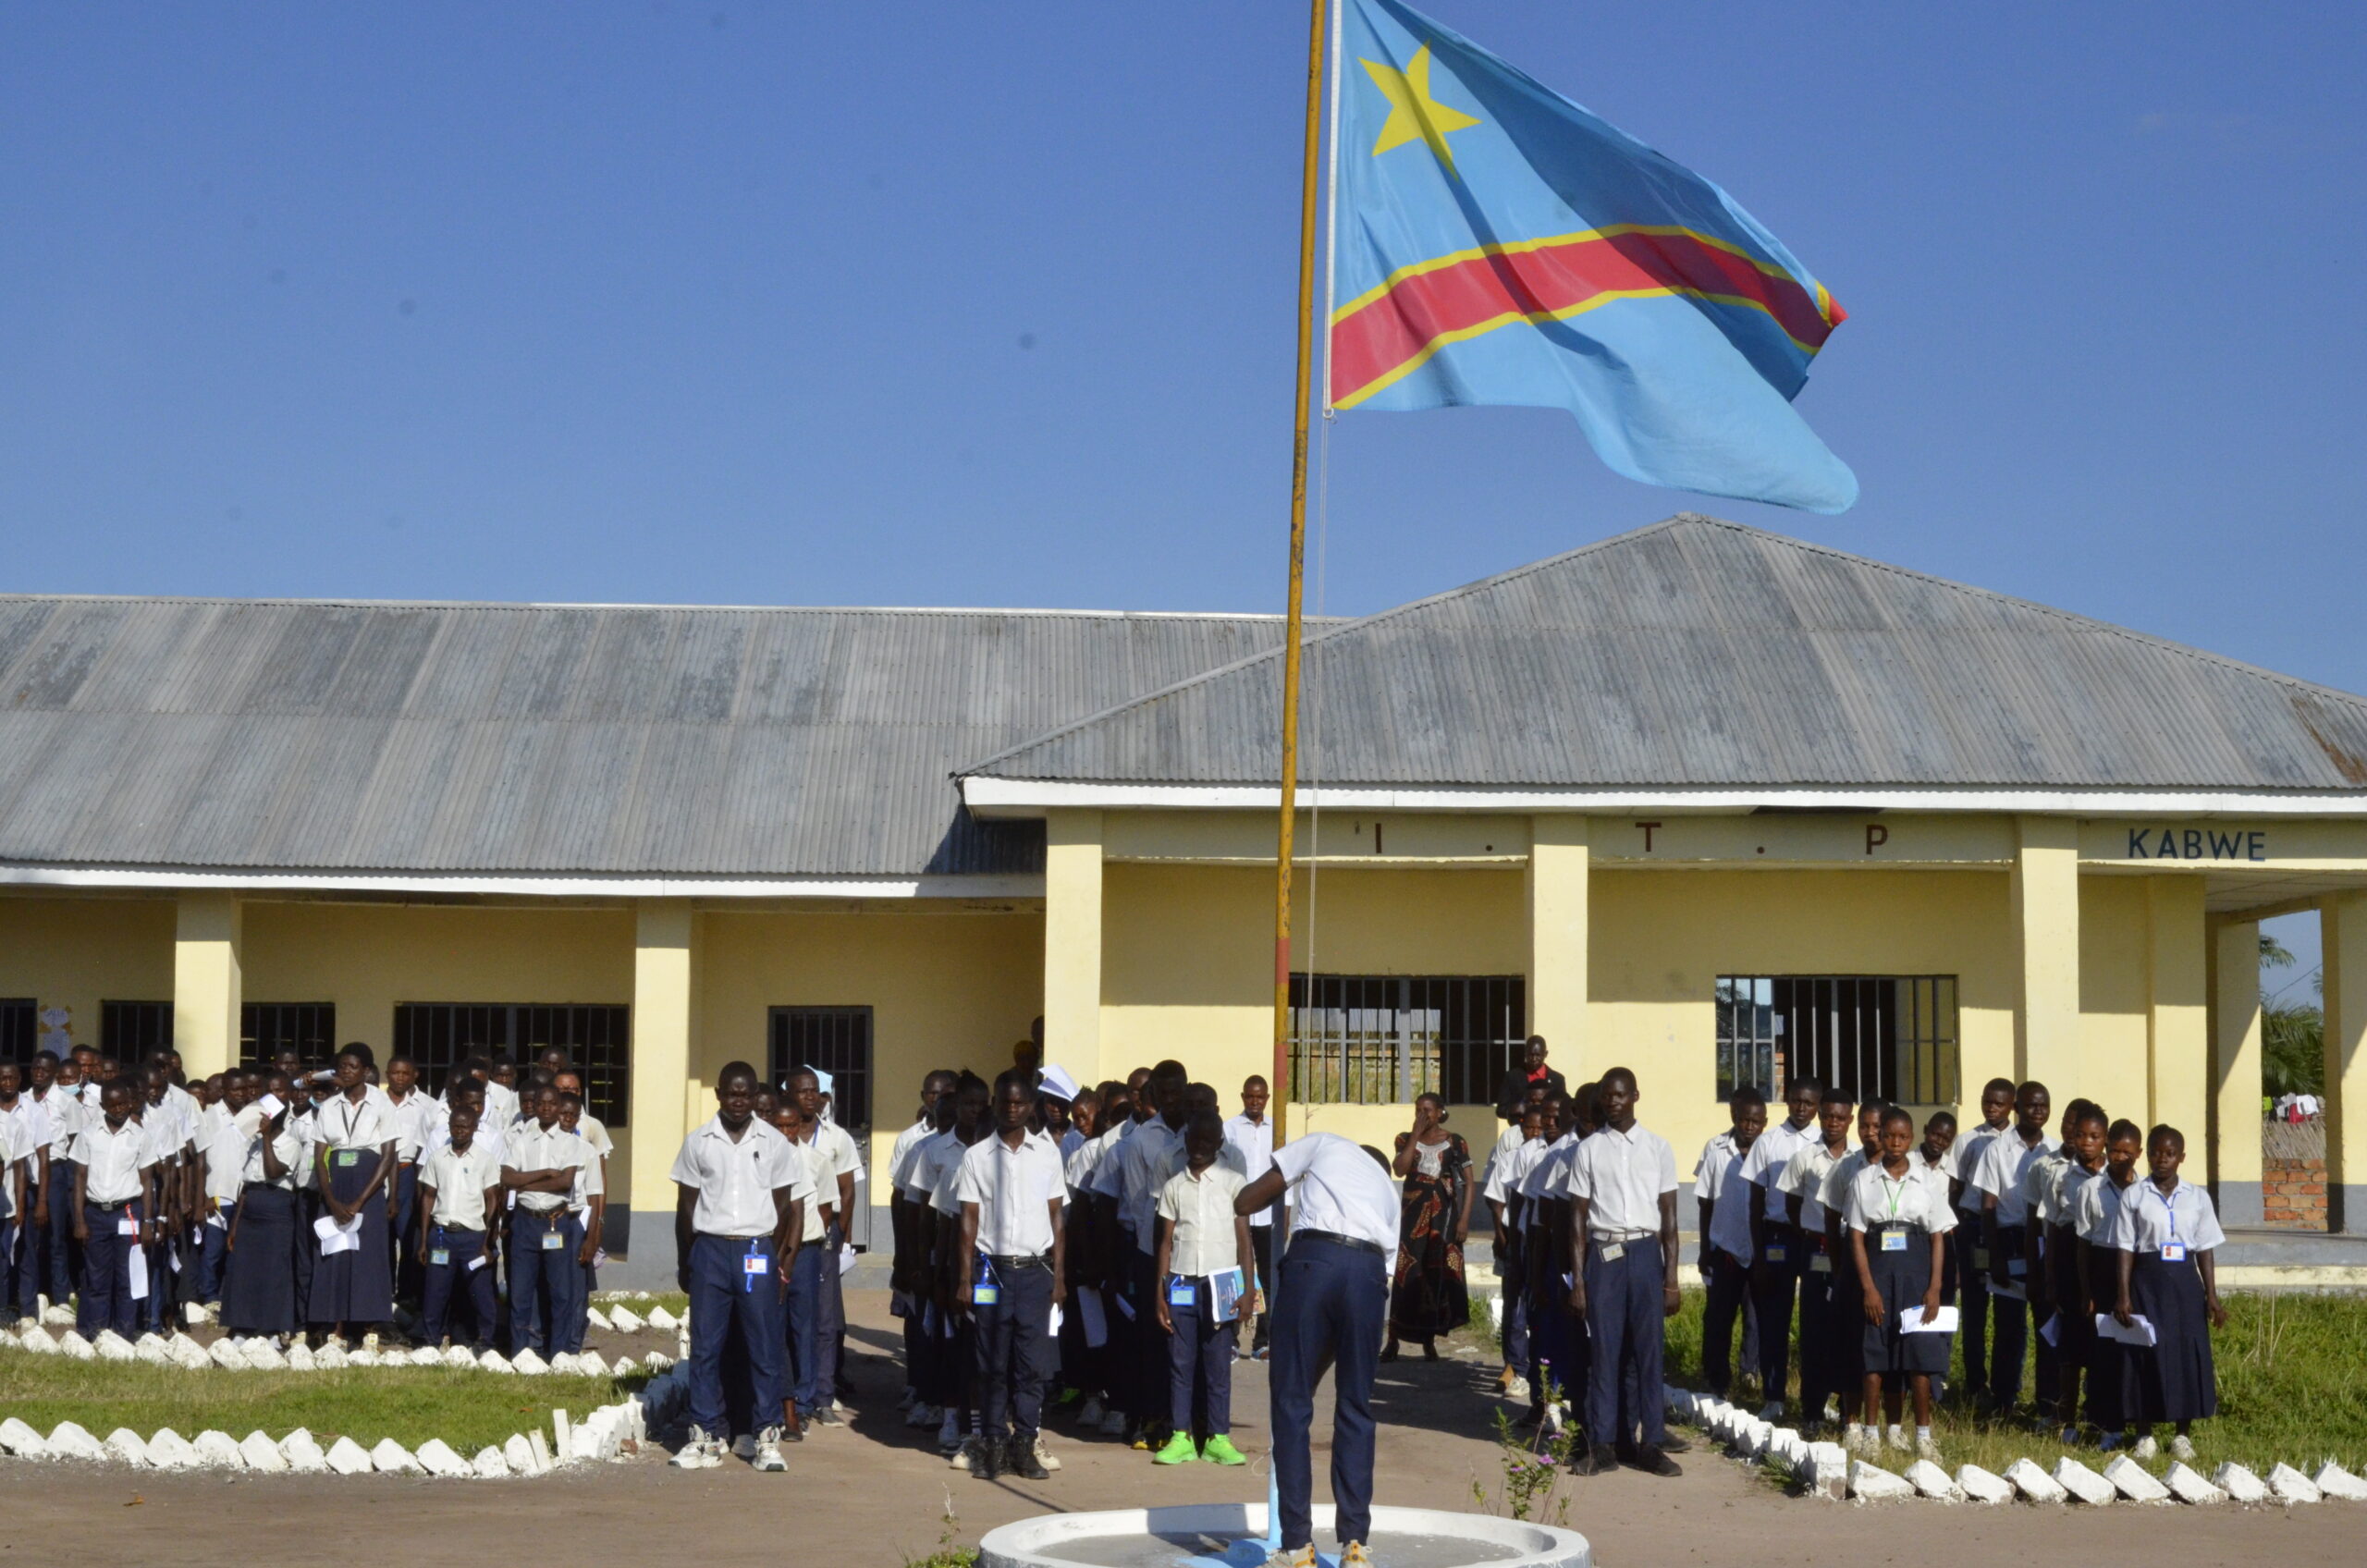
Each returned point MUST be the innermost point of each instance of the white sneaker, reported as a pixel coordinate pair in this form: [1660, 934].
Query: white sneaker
[963, 1457]
[838, 1409]
[1772, 1411]
[2146, 1447]
[1857, 1439]
[2181, 1447]
[768, 1455]
[194, 1314]
[699, 1451]
[1553, 1420]
[1897, 1439]
[1113, 1425]
[1927, 1448]
[1518, 1390]
[1044, 1454]
[1089, 1414]
[1832, 1409]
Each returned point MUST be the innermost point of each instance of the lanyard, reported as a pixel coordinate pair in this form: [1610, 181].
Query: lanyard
[2169, 1211]
[1895, 1191]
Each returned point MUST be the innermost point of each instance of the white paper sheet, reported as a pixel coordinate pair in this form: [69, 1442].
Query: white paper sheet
[1125, 1308]
[2051, 1330]
[476, 1263]
[138, 1258]
[270, 1106]
[2138, 1332]
[847, 1257]
[335, 1238]
[1910, 1322]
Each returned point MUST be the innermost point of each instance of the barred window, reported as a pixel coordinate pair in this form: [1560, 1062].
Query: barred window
[267, 1028]
[20, 1029]
[1382, 1039]
[129, 1031]
[597, 1037]
[1873, 1036]
[837, 1040]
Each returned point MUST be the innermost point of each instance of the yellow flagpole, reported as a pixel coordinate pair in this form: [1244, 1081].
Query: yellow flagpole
[1287, 826]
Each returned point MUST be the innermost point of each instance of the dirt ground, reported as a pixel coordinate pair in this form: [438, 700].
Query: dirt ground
[874, 1495]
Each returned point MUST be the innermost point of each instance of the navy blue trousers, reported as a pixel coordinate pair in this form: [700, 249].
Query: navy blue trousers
[1625, 1324]
[61, 1260]
[1772, 1300]
[1968, 1253]
[212, 1247]
[404, 1211]
[1011, 1344]
[1199, 1365]
[2010, 1321]
[442, 1281]
[15, 1260]
[546, 1303]
[803, 1330]
[724, 1296]
[1144, 1394]
[106, 1276]
[1729, 1297]
[1331, 1307]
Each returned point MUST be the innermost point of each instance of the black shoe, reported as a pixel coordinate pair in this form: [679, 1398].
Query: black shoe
[1651, 1462]
[985, 1460]
[1020, 1459]
[1593, 1459]
[1673, 1443]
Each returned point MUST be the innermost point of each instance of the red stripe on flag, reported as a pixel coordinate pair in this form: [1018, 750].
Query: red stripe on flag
[1418, 309]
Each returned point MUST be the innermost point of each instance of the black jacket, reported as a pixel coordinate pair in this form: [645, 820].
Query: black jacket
[1515, 1088]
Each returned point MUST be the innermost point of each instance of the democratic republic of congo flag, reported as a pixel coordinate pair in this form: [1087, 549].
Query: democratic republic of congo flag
[1496, 243]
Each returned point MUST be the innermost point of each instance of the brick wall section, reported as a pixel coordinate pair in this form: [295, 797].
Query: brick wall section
[2293, 1193]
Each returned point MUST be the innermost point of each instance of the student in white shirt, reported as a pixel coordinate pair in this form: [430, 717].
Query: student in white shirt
[1090, 1219]
[2005, 1159]
[416, 1114]
[1329, 1304]
[1556, 1337]
[1779, 1261]
[1252, 1132]
[1502, 1193]
[50, 1101]
[1011, 1255]
[2098, 1209]
[169, 1127]
[908, 1296]
[1824, 1323]
[835, 1163]
[1623, 1233]
[2065, 1303]
[940, 1169]
[115, 1192]
[459, 1203]
[1201, 1238]
[1132, 1176]
[587, 1203]
[737, 1220]
[1723, 1200]
[354, 1166]
[2167, 1236]
[260, 1282]
[1968, 1245]
[221, 1154]
[16, 1204]
[1898, 1256]
[548, 1250]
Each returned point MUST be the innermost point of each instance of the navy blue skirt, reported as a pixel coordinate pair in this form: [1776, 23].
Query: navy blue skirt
[259, 1276]
[356, 1286]
[1901, 1279]
[2175, 1379]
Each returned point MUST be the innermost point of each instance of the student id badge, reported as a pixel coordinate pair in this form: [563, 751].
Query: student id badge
[1980, 1259]
[1775, 1252]
[349, 1156]
[2173, 1251]
[1893, 1241]
[1612, 1251]
[1181, 1292]
[985, 1291]
[1821, 1264]
[440, 1258]
[2016, 1267]
[552, 1240]
[753, 1267]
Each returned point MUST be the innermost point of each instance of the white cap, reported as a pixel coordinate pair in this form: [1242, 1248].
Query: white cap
[1057, 1085]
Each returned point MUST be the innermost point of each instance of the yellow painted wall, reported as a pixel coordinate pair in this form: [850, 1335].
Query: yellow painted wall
[2114, 999]
[948, 988]
[78, 952]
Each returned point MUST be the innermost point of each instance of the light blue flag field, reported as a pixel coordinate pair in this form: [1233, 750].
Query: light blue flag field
[1496, 243]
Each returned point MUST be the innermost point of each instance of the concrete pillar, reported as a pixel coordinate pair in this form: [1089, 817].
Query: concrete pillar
[207, 981]
[665, 1048]
[2046, 943]
[1557, 892]
[1073, 940]
[2343, 935]
[2177, 1029]
[2235, 1070]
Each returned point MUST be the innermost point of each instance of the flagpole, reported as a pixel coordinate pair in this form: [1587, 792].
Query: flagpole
[1287, 824]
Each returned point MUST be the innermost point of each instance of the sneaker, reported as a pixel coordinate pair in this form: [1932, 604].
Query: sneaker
[1518, 1390]
[1219, 1450]
[2109, 1442]
[698, 1451]
[768, 1455]
[1354, 1555]
[1857, 1439]
[2181, 1447]
[1113, 1424]
[745, 1445]
[1139, 1438]
[2146, 1447]
[964, 1456]
[1021, 1459]
[840, 1409]
[1303, 1557]
[1772, 1411]
[1091, 1416]
[826, 1417]
[1651, 1462]
[1553, 1420]
[950, 1434]
[1260, 1352]
[1593, 1459]
[1045, 1456]
[1927, 1448]
[908, 1399]
[1179, 1451]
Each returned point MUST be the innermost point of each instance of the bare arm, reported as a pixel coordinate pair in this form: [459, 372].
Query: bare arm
[686, 1198]
[965, 1261]
[1161, 1254]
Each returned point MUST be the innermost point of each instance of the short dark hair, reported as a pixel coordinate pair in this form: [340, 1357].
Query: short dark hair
[1941, 1118]
[1749, 1095]
[359, 1052]
[735, 1069]
[2166, 1133]
[1897, 1114]
[1009, 1078]
[2123, 1127]
[1835, 1096]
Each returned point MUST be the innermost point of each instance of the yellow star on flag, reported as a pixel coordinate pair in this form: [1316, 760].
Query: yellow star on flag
[1414, 115]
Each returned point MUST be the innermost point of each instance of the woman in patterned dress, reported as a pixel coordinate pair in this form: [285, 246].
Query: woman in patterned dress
[1428, 1299]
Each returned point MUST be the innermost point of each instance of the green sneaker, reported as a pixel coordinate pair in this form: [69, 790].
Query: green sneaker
[1177, 1451]
[1220, 1451]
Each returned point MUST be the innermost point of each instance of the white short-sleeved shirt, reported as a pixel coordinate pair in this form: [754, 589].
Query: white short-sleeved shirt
[1071, 1139]
[415, 1116]
[1876, 1197]
[226, 1163]
[1336, 1186]
[461, 1179]
[1834, 1196]
[1014, 1189]
[1933, 1173]
[113, 1159]
[1805, 1175]
[831, 1151]
[1622, 1176]
[1255, 1142]
[1964, 1161]
[2098, 1206]
[735, 1179]
[2062, 1191]
[1729, 1223]
[943, 1170]
[1144, 1164]
[500, 1103]
[2003, 1163]
[2038, 1185]
[1548, 1175]
[287, 1146]
[1080, 1164]
[1201, 1209]
[16, 1144]
[918, 1181]
[1713, 1155]
[1506, 1172]
[534, 1148]
[594, 1133]
[346, 1125]
[1764, 1166]
[901, 1151]
[40, 1116]
[2147, 1218]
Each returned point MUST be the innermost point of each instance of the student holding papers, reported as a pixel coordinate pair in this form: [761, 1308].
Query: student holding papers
[1200, 1240]
[1898, 1229]
[2099, 1210]
[2166, 1233]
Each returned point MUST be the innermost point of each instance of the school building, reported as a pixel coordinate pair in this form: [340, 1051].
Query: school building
[1702, 800]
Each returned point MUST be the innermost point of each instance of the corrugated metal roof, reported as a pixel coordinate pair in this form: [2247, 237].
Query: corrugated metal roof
[1702, 653]
[545, 738]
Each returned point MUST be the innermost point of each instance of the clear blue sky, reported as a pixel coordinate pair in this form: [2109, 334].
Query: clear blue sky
[906, 303]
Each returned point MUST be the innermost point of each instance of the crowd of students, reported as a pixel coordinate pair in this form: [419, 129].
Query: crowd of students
[303, 1201]
[1876, 1240]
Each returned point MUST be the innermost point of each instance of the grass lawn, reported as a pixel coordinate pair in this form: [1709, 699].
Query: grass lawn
[674, 1302]
[468, 1410]
[2292, 1388]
